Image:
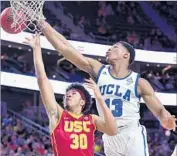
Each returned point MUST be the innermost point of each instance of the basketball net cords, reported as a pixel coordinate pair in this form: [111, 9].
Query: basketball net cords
[27, 13]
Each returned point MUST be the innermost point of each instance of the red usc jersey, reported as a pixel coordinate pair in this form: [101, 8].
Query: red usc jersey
[74, 135]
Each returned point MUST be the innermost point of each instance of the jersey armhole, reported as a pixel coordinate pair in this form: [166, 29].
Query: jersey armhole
[136, 86]
[99, 72]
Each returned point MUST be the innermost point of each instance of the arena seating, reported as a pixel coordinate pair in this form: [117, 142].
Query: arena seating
[162, 81]
[106, 24]
[167, 10]
[17, 139]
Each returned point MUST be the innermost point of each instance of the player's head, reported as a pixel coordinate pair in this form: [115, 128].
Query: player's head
[77, 97]
[121, 51]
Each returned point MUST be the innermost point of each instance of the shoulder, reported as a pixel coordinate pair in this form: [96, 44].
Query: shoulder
[142, 81]
[94, 65]
[144, 86]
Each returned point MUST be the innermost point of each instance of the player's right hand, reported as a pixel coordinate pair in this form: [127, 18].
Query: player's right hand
[34, 42]
[89, 83]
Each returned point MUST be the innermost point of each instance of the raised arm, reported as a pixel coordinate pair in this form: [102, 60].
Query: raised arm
[108, 124]
[63, 47]
[52, 107]
[153, 103]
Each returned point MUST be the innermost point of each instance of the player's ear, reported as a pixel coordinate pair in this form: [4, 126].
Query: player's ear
[82, 102]
[126, 55]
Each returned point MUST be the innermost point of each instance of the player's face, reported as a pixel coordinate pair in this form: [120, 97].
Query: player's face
[73, 99]
[116, 52]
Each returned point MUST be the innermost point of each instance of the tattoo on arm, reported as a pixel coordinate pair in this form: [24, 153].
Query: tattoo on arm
[54, 113]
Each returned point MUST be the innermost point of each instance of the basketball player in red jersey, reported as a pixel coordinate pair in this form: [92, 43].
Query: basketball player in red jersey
[72, 129]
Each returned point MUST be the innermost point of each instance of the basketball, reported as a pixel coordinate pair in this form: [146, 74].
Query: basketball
[7, 20]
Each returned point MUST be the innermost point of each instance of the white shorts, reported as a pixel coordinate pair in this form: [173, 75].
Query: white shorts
[130, 141]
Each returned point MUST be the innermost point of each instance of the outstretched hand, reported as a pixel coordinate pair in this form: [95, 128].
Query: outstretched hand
[89, 83]
[168, 121]
[34, 42]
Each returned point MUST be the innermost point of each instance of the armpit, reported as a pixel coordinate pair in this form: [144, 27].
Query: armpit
[54, 113]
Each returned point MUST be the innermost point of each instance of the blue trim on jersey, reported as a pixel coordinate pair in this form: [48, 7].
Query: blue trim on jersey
[99, 72]
[144, 140]
[136, 86]
[109, 69]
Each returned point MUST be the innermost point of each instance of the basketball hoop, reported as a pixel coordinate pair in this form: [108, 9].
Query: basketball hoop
[28, 13]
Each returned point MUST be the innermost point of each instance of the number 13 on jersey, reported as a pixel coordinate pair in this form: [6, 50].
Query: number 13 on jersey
[117, 104]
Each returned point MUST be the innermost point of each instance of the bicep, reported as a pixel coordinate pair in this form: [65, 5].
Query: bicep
[148, 95]
[94, 67]
[48, 97]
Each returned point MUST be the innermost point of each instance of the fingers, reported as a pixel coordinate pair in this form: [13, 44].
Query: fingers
[90, 81]
[172, 123]
[89, 85]
[28, 39]
[26, 42]
[37, 36]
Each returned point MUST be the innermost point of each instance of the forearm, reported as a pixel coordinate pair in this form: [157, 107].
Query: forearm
[38, 63]
[48, 30]
[154, 105]
[64, 48]
[161, 114]
[108, 117]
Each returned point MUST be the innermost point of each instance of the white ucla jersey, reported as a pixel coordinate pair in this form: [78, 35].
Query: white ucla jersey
[120, 94]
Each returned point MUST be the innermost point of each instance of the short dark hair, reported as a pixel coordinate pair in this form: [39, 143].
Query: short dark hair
[130, 49]
[88, 98]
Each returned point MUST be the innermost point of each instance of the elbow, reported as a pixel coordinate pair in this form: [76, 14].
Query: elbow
[41, 79]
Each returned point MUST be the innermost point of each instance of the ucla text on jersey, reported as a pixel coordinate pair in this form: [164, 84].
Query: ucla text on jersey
[120, 94]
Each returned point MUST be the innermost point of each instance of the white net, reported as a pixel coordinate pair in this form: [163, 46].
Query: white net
[27, 13]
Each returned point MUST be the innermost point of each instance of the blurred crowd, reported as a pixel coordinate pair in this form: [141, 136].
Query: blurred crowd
[109, 22]
[167, 9]
[161, 143]
[18, 140]
[163, 81]
[14, 64]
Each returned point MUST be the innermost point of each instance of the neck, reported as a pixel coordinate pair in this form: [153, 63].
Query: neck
[76, 111]
[119, 70]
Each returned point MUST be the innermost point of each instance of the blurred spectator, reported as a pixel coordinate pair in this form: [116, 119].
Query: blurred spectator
[161, 81]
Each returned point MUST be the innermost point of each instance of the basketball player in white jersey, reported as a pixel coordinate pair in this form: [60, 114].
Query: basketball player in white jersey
[122, 90]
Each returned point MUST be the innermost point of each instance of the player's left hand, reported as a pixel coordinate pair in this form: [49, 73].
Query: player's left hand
[89, 83]
[168, 121]
[34, 42]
